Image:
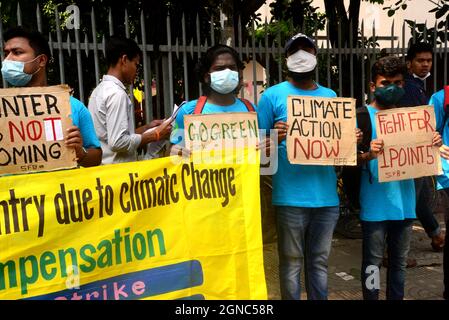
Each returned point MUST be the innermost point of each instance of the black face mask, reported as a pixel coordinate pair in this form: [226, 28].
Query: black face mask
[299, 77]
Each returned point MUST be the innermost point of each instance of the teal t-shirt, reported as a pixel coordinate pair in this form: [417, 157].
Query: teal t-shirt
[177, 135]
[393, 200]
[437, 100]
[83, 120]
[293, 184]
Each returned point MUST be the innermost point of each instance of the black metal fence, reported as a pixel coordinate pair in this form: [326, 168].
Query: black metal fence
[167, 68]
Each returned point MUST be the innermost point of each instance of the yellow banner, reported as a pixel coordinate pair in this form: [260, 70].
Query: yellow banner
[157, 229]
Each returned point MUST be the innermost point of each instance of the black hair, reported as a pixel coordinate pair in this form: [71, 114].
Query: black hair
[418, 47]
[389, 66]
[116, 47]
[36, 40]
[204, 64]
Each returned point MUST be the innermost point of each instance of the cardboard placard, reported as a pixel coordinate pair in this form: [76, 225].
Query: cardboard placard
[321, 131]
[408, 152]
[220, 130]
[33, 123]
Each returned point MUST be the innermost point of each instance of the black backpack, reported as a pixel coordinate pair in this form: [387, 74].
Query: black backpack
[351, 175]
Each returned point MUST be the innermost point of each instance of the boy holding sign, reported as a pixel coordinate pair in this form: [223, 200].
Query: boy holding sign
[305, 196]
[388, 208]
[25, 65]
[220, 73]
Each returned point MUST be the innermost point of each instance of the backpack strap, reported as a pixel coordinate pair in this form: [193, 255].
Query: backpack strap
[200, 105]
[248, 105]
[202, 102]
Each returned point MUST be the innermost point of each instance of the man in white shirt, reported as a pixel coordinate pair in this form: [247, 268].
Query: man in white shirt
[112, 110]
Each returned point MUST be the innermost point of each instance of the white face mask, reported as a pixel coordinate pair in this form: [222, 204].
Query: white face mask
[224, 81]
[301, 61]
[423, 78]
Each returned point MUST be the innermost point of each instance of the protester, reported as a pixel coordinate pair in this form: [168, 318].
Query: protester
[439, 100]
[388, 208]
[305, 196]
[27, 56]
[419, 64]
[220, 74]
[112, 110]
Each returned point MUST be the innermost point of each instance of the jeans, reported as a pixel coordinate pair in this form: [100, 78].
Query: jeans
[304, 234]
[423, 212]
[396, 234]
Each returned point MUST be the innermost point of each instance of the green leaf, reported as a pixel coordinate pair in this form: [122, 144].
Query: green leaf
[404, 6]
[391, 13]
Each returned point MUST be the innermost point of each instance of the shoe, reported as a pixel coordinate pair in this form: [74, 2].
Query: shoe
[438, 242]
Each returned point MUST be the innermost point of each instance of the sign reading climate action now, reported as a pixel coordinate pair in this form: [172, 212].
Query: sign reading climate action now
[33, 122]
[408, 151]
[220, 130]
[321, 131]
[164, 229]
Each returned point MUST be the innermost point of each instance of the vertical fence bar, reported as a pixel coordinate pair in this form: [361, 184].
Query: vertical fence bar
[404, 45]
[169, 108]
[340, 74]
[351, 58]
[60, 52]
[212, 30]
[95, 47]
[267, 55]
[198, 43]
[362, 61]
[184, 57]
[111, 27]
[19, 14]
[147, 78]
[126, 24]
[435, 58]
[445, 52]
[79, 65]
[392, 37]
[317, 74]
[131, 86]
[279, 56]
[239, 30]
[328, 56]
[39, 18]
[253, 43]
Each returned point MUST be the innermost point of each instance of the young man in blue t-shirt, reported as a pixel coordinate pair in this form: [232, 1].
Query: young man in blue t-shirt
[25, 65]
[387, 209]
[438, 101]
[305, 196]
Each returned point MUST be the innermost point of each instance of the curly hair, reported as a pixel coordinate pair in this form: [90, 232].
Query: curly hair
[389, 66]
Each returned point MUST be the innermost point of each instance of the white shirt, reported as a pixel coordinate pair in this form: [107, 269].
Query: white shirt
[113, 118]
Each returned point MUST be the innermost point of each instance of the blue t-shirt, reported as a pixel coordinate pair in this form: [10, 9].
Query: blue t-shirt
[393, 200]
[83, 120]
[293, 184]
[438, 104]
[188, 108]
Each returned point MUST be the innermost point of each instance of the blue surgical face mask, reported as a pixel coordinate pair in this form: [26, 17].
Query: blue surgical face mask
[12, 72]
[224, 81]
